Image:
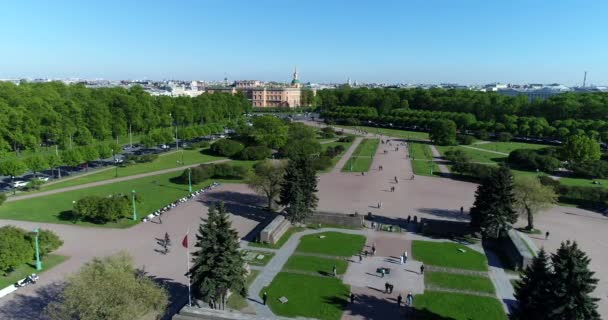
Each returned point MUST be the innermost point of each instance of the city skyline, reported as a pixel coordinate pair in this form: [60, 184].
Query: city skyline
[389, 42]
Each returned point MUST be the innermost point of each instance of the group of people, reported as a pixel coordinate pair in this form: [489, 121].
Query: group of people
[158, 213]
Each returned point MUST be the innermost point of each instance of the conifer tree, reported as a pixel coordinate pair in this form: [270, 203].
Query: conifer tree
[571, 285]
[298, 190]
[218, 265]
[532, 290]
[493, 213]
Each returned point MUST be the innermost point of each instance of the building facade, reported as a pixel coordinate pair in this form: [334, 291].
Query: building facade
[266, 95]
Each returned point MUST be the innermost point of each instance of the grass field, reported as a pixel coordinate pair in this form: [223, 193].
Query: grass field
[404, 134]
[281, 241]
[337, 158]
[155, 191]
[447, 254]
[507, 147]
[166, 161]
[19, 273]
[422, 159]
[260, 262]
[309, 296]
[434, 305]
[322, 266]
[362, 157]
[478, 156]
[332, 244]
[235, 301]
[459, 281]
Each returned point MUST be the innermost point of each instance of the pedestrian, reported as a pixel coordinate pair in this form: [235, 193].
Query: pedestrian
[382, 272]
[410, 299]
[421, 269]
[405, 257]
[160, 219]
[360, 258]
[264, 298]
[380, 205]
[399, 299]
[365, 253]
[546, 235]
[390, 288]
[401, 259]
[352, 298]
[409, 218]
[461, 210]
[374, 249]
[335, 272]
[386, 286]
[412, 178]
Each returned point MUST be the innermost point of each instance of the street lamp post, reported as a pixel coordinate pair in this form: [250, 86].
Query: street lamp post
[115, 164]
[38, 262]
[134, 205]
[190, 180]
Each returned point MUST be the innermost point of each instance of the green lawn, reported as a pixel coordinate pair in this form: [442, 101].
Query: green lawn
[235, 301]
[447, 254]
[507, 147]
[156, 192]
[362, 157]
[258, 262]
[323, 266]
[459, 281]
[48, 262]
[337, 158]
[309, 296]
[166, 161]
[422, 159]
[332, 244]
[281, 241]
[478, 156]
[404, 134]
[434, 305]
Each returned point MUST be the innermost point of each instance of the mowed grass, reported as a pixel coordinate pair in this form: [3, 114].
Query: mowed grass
[434, 305]
[422, 159]
[447, 254]
[155, 191]
[507, 147]
[260, 262]
[459, 281]
[309, 296]
[166, 161]
[281, 241]
[235, 301]
[404, 134]
[478, 156]
[362, 157]
[23, 271]
[332, 244]
[322, 266]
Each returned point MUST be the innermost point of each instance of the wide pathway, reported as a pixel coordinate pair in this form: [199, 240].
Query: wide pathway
[436, 156]
[338, 167]
[486, 150]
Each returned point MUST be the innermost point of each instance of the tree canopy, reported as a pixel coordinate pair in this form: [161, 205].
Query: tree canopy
[531, 197]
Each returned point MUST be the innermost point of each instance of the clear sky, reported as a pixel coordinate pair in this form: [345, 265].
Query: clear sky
[414, 41]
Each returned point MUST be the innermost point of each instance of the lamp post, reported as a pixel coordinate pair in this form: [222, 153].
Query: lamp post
[190, 180]
[134, 205]
[38, 262]
[115, 164]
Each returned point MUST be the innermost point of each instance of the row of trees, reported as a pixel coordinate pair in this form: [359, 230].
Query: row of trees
[485, 106]
[17, 246]
[35, 114]
[98, 209]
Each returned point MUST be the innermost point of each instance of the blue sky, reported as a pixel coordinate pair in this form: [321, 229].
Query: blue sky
[416, 41]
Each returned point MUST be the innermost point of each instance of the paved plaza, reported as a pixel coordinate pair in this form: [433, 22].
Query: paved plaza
[428, 197]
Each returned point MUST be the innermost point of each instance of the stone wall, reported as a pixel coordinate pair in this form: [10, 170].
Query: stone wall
[274, 230]
[341, 219]
[516, 250]
[191, 313]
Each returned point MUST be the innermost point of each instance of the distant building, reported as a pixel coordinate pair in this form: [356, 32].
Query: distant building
[265, 95]
[535, 91]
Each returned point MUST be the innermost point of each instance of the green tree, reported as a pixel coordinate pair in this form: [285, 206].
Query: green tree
[2, 198]
[36, 163]
[55, 161]
[109, 288]
[443, 132]
[298, 190]
[104, 150]
[492, 212]
[48, 241]
[218, 264]
[269, 131]
[72, 157]
[531, 197]
[571, 285]
[15, 248]
[12, 167]
[533, 288]
[267, 178]
[579, 148]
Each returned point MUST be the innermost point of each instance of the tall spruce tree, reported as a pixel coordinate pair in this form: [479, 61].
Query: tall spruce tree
[493, 213]
[532, 290]
[571, 285]
[298, 190]
[218, 264]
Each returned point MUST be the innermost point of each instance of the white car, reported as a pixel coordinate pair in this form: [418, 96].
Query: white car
[19, 184]
[45, 179]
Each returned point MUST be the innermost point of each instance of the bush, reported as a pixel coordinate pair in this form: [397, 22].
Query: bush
[198, 145]
[48, 241]
[323, 162]
[255, 153]
[227, 148]
[482, 135]
[229, 171]
[591, 169]
[528, 159]
[475, 171]
[209, 171]
[347, 139]
[132, 158]
[456, 156]
[465, 139]
[548, 181]
[98, 209]
[332, 152]
[590, 197]
[2, 198]
[15, 248]
[504, 137]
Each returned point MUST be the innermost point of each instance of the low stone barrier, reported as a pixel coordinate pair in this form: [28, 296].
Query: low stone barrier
[274, 230]
[191, 313]
[516, 250]
[341, 219]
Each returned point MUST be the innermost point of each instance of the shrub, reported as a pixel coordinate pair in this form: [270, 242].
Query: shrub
[15, 248]
[98, 209]
[347, 139]
[528, 159]
[132, 158]
[255, 153]
[456, 156]
[227, 148]
[2, 198]
[48, 241]
[548, 181]
[465, 139]
[590, 197]
[323, 162]
[229, 171]
[591, 169]
[482, 135]
[476, 171]
[504, 137]
[209, 171]
[332, 152]
[198, 145]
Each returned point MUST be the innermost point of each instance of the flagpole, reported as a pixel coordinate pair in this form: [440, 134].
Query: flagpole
[188, 270]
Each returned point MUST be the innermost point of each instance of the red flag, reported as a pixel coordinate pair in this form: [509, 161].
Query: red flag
[185, 242]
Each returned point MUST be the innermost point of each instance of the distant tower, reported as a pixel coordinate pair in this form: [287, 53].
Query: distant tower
[348, 81]
[585, 79]
[295, 82]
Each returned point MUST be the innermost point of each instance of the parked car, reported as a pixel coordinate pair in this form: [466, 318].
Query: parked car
[43, 178]
[19, 184]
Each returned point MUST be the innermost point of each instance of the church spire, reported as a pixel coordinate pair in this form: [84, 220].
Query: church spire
[295, 82]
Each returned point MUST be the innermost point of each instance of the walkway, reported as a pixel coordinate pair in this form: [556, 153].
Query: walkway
[436, 155]
[338, 167]
[486, 150]
[502, 283]
[104, 182]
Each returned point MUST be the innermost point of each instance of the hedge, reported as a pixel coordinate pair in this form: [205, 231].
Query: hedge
[227, 148]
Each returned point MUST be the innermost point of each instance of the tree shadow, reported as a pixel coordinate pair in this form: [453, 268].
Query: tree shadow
[445, 213]
[30, 307]
[250, 206]
[178, 295]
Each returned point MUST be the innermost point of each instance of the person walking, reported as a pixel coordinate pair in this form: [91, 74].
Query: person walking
[335, 272]
[264, 297]
[373, 249]
[461, 210]
[352, 298]
[546, 235]
[386, 285]
[401, 258]
[360, 258]
[399, 299]
[421, 269]
[410, 299]
[382, 272]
